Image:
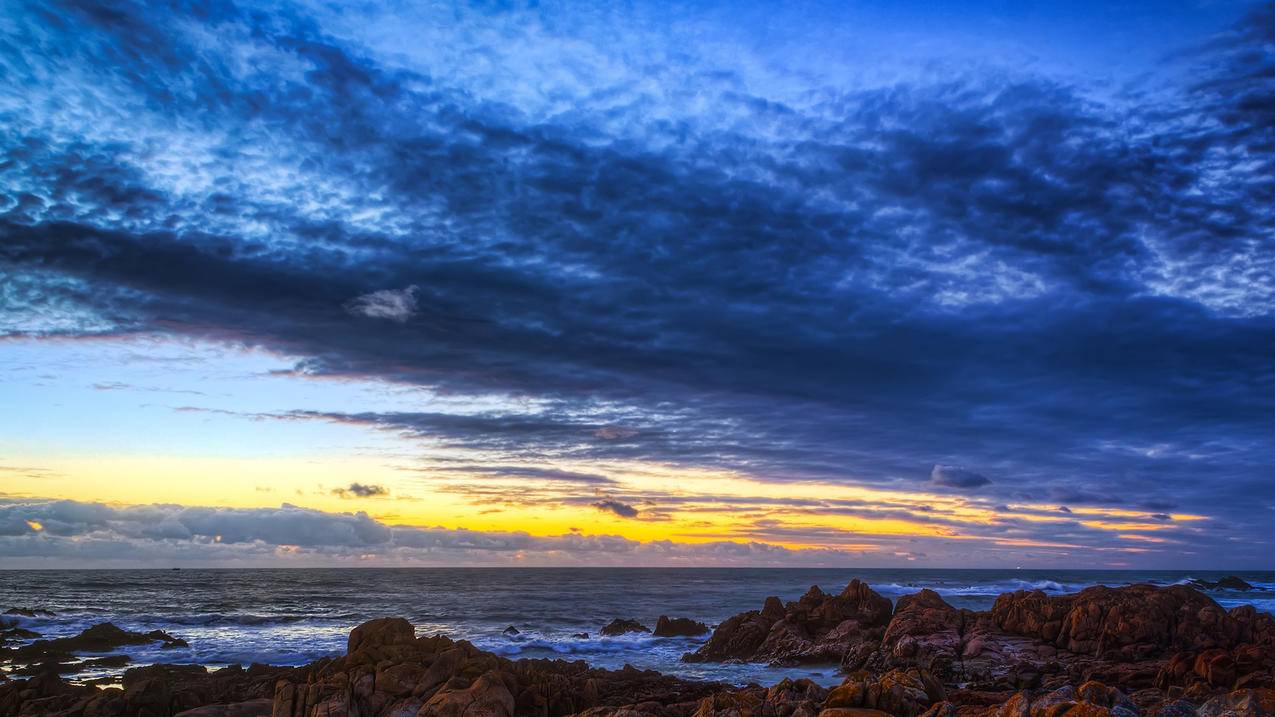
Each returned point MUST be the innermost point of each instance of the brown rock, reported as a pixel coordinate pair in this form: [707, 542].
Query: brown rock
[795, 692]
[852, 692]
[399, 680]
[747, 701]
[907, 693]
[852, 712]
[381, 632]
[1173, 708]
[1216, 666]
[735, 639]
[620, 627]
[925, 632]
[103, 637]
[942, 709]
[1126, 623]
[678, 627]
[488, 696]
[1017, 706]
[816, 628]
[1240, 703]
[251, 708]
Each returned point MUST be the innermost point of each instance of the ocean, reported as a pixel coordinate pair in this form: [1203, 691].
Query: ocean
[294, 616]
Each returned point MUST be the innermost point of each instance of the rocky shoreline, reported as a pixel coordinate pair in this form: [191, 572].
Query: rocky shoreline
[1129, 651]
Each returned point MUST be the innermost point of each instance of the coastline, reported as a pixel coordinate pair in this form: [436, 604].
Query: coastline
[1139, 649]
[297, 616]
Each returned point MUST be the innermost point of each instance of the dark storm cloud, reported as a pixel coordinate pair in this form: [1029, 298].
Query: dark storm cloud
[623, 510]
[1072, 293]
[957, 477]
[361, 490]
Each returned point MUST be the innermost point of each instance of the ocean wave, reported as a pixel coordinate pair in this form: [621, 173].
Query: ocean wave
[983, 589]
[1192, 581]
[249, 620]
[530, 642]
[209, 619]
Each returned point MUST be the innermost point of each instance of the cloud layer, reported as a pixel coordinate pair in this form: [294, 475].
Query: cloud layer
[94, 534]
[646, 252]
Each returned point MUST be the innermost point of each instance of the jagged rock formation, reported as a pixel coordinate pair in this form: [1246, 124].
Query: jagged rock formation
[1138, 636]
[817, 628]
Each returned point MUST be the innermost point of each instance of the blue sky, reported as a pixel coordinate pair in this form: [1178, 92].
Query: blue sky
[988, 283]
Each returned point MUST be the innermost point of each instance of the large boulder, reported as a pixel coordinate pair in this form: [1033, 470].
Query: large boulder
[1128, 623]
[925, 632]
[738, 637]
[381, 632]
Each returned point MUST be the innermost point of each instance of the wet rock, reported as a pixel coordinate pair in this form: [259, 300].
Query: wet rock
[581, 636]
[29, 612]
[1229, 582]
[678, 627]
[737, 638]
[103, 637]
[17, 634]
[620, 627]
[44, 694]
[511, 631]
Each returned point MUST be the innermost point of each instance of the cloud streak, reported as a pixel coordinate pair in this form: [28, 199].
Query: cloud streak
[624, 510]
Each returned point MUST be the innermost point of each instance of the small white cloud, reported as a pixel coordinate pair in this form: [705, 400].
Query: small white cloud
[393, 304]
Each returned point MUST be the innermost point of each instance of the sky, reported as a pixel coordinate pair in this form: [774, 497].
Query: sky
[932, 284]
